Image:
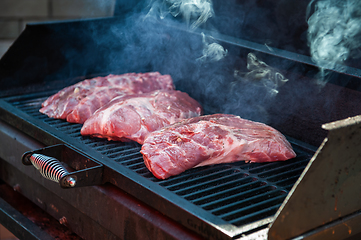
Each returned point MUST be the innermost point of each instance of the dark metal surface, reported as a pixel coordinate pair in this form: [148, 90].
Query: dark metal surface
[326, 190]
[27, 221]
[348, 228]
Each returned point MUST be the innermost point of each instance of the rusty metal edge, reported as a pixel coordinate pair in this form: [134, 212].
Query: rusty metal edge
[343, 228]
[326, 189]
[19, 225]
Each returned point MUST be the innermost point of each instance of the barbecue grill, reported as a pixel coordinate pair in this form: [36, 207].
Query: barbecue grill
[108, 193]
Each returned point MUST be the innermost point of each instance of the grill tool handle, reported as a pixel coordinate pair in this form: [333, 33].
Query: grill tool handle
[48, 160]
[50, 168]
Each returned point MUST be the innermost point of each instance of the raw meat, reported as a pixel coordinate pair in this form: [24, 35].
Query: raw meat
[212, 139]
[78, 102]
[134, 117]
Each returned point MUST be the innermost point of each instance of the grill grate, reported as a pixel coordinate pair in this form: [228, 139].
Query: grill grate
[239, 193]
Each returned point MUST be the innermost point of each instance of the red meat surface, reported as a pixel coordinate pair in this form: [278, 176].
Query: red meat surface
[134, 117]
[212, 139]
[78, 102]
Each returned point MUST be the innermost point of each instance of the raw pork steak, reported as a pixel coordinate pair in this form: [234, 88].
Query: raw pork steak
[78, 102]
[134, 117]
[212, 139]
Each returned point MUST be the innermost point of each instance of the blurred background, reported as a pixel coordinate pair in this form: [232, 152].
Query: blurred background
[15, 14]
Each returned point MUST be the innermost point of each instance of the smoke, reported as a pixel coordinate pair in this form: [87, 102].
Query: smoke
[261, 74]
[161, 37]
[194, 12]
[212, 51]
[208, 78]
[334, 33]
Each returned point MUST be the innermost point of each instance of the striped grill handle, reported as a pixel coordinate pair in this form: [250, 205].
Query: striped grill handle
[49, 167]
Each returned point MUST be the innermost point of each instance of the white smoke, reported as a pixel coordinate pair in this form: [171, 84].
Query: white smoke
[334, 32]
[194, 12]
[212, 51]
[259, 73]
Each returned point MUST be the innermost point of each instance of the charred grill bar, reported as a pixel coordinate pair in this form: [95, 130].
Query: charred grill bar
[228, 201]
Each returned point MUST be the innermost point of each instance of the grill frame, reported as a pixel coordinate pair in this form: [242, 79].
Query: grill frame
[208, 217]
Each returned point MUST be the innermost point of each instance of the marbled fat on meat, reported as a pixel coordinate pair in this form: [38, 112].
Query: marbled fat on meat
[78, 102]
[134, 117]
[212, 139]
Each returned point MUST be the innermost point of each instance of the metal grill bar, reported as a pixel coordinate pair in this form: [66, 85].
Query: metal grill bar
[256, 215]
[194, 174]
[212, 184]
[221, 193]
[201, 181]
[232, 211]
[238, 195]
[226, 185]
